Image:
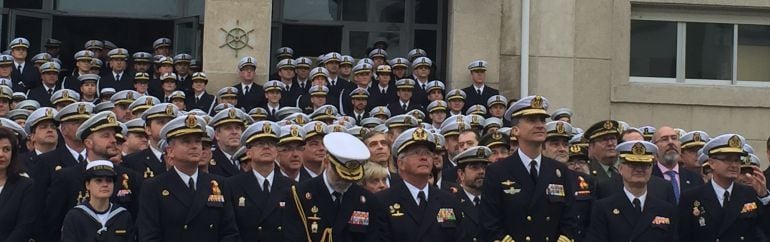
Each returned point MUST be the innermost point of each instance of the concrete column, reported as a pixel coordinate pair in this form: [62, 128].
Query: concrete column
[473, 33]
[220, 62]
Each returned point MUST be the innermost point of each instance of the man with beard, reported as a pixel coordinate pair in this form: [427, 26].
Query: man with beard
[691, 143]
[315, 152]
[558, 134]
[722, 210]
[602, 138]
[578, 159]
[471, 167]
[185, 204]
[229, 125]
[668, 156]
[97, 134]
[149, 162]
[331, 206]
[290, 152]
[525, 195]
[642, 217]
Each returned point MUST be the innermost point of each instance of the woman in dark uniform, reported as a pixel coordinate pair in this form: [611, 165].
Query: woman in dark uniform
[17, 206]
[98, 219]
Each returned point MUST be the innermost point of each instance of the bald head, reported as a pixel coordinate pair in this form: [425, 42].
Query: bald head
[669, 146]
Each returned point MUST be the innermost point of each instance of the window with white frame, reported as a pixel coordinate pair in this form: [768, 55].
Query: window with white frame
[699, 47]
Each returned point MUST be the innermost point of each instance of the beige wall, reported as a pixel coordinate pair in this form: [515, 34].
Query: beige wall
[221, 64]
[579, 57]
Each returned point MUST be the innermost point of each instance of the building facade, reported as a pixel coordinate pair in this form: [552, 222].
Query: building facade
[692, 64]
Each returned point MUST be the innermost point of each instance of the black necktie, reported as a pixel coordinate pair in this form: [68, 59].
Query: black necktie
[613, 171]
[382, 91]
[245, 89]
[266, 186]
[637, 205]
[191, 184]
[117, 77]
[50, 91]
[423, 202]
[334, 83]
[533, 170]
[80, 158]
[726, 198]
[197, 100]
[301, 85]
[19, 67]
[337, 200]
[476, 201]
[404, 106]
[478, 91]
[359, 117]
[423, 86]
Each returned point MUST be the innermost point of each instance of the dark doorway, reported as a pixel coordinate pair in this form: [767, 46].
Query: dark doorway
[132, 34]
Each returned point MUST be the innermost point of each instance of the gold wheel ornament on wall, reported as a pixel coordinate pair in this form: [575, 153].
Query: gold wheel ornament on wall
[236, 38]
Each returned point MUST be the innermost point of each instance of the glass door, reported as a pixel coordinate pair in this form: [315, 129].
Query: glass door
[35, 26]
[187, 36]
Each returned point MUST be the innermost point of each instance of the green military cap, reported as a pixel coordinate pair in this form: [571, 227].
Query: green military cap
[494, 139]
[601, 128]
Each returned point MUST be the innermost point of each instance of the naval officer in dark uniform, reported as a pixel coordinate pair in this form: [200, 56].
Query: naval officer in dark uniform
[471, 166]
[722, 210]
[525, 195]
[331, 206]
[184, 204]
[67, 190]
[261, 197]
[149, 162]
[228, 125]
[633, 215]
[412, 209]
